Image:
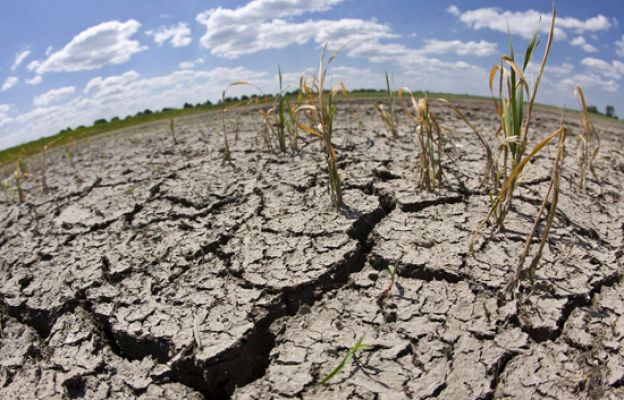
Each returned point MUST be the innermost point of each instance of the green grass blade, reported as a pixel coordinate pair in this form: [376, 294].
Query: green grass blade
[358, 346]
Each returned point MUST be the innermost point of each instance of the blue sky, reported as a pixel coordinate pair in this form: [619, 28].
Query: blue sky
[68, 62]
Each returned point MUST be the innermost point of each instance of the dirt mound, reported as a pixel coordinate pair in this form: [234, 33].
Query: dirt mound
[152, 270]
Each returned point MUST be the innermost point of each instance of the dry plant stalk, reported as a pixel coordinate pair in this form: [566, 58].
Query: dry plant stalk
[320, 110]
[172, 123]
[281, 120]
[227, 157]
[293, 120]
[585, 153]
[70, 153]
[44, 167]
[489, 174]
[507, 186]
[552, 197]
[19, 175]
[281, 115]
[431, 148]
[268, 126]
[430, 162]
[388, 115]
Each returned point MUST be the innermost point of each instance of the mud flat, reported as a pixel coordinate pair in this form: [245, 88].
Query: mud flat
[149, 269]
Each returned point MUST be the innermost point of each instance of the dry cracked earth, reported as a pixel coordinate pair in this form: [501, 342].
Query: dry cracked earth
[150, 270]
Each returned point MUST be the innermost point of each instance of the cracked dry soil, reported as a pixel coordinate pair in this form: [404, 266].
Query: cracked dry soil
[150, 270]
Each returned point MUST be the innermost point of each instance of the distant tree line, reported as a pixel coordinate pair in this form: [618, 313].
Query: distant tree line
[609, 111]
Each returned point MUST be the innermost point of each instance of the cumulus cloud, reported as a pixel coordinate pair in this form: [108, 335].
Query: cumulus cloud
[591, 80]
[261, 25]
[580, 41]
[613, 70]
[107, 43]
[19, 58]
[35, 80]
[191, 64]
[4, 114]
[452, 9]
[524, 23]
[619, 47]
[108, 96]
[9, 83]
[53, 96]
[480, 48]
[100, 85]
[178, 35]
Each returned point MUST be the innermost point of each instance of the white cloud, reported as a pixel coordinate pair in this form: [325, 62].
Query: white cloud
[260, 25]
[613, 70]
[191, 64]
[452, 9]
[234, 41]
[35, 80]
[53, 96]
[591, 80]
[118, 95]
[19, 58]
[559, 70]
[481, 48]
[524, 23]
[580, 41]
[9, 83]
[178, 35]
[593, 24]
[93, 48]
[49, 50]
[263, 24]
[619, 47]
[4, 114]
[102, 85]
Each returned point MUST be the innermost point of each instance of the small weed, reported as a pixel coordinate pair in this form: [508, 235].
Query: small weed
[388, 115]
[130, 191]
[392, 270]
[351, 353]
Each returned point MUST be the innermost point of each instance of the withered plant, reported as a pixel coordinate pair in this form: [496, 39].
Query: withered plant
[320, 109]
[431, 142]
[514, 125]
[489, 173]
[549, 202]
[172, 128]
[588, 144]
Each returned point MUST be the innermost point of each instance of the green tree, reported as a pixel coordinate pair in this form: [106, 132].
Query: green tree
[610, 111]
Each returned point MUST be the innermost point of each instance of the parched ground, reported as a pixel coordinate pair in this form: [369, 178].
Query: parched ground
[148, 269]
